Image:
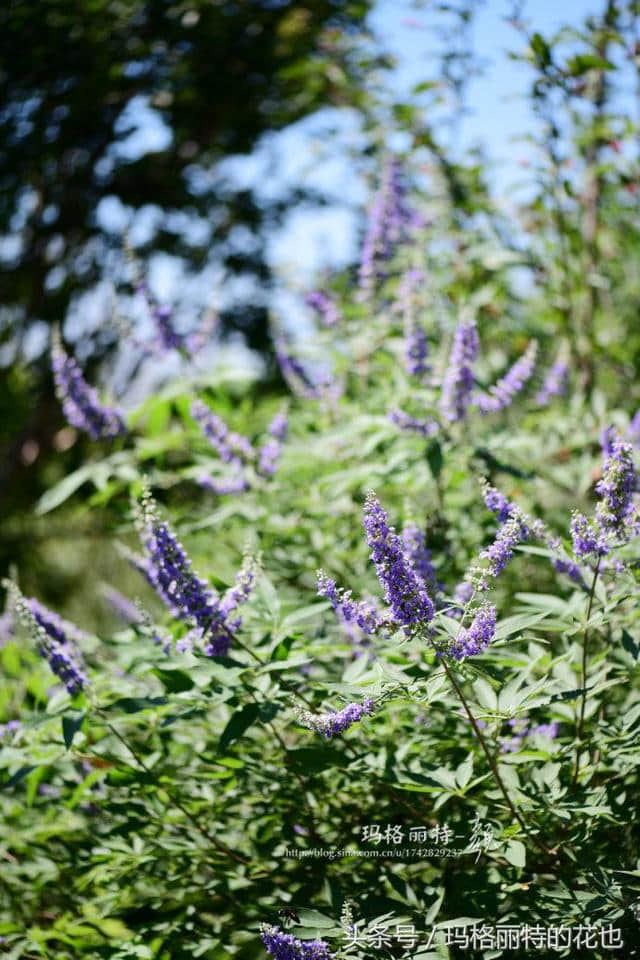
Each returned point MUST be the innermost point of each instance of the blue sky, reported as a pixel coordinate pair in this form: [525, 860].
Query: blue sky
[499, 115]
[499, 112]
[318, 153]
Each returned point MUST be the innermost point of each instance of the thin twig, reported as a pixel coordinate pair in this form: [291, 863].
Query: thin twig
[490, 758]
[172, 799]
[583, 674]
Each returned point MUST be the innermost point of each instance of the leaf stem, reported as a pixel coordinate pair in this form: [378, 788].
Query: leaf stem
[221, 847]
[583, 674]
[490, 758]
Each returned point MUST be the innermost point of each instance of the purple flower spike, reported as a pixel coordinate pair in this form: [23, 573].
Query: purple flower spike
[461, 597]
[235, 484]
[279, 426]
[607, 437]
[332, 723]
[634, 429]
[502, 393]
[497, 502]
[554, 384]
[271, 451]
[616, 488]
[458, 382]
[127, 611]
[170, 573]
[232, 447]
[426, 428]
[415, 548]
[324, 307]
[55, 639]
[284, 946]
[80, 402]
[476, 637]
[586, 538]
[268, 457]
[416, 346]
[361, 612]
[572, 570]
[240, 592]
[390, 221]
[316, 384]
[408, 600]
[167, 337]
[405, 301]
[416, 351]
[512, 532]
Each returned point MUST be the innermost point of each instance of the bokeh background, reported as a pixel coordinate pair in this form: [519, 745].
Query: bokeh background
[227, 151]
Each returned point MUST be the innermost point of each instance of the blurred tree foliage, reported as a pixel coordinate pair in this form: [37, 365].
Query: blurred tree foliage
[73, 78]
[217, 73]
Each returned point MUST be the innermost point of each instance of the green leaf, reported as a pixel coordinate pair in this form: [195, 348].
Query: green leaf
[312, 918]
[239, 724]
[541, 49]
[82, 788]
[70, 726]
[18, 776]
[174, 681]
[583, 62]
[435, 458]
[486, 694]
[62, 491]
[516, 853]
[630, 645]
[289, 664]
[314, 759]
[136, 704]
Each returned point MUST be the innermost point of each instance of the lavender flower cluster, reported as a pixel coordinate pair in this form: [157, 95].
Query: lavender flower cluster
[167, 337]
[426, 428]
[416, 345]
[499, 504]
[459, 378]
[284, 946]
[502, 392]
[237, 451]
[496, 501]
[271, 451]
[334, 722]
[390, 221]
[80, 402]
[363, 613]
[521, 730]
[615, 516]
[408, 599]
[416, 351]
[55, 638]
[312, 384]
[419, 556]
[616, 488]
[232, 447]
[554, 383]
[123, 608]
[474, 639]
[515, 527]
[324, 306]
[169, 571]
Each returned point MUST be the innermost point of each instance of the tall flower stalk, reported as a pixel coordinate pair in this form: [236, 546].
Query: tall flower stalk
[79, 400]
